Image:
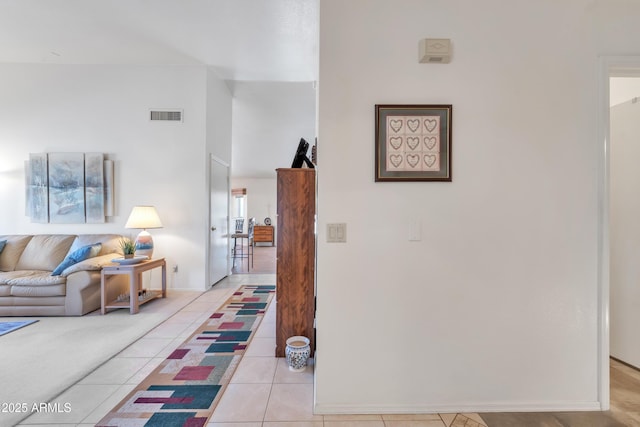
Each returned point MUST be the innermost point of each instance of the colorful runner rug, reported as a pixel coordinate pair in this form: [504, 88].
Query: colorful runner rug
[186, 387]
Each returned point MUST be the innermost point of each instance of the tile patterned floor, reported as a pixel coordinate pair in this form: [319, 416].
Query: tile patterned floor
[262, 392]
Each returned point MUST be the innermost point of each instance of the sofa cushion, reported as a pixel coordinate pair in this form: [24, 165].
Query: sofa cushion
[77, 256]
[35, 277]
[5, 276]
[38, 284]
[44, 252]
[12, 250]
[31, 283]
[2, 243]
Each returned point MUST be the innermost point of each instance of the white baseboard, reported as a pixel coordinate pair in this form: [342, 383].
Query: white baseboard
[326, 409]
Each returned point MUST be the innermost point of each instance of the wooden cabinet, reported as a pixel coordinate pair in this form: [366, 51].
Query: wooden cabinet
[263, 234]
[295, 274]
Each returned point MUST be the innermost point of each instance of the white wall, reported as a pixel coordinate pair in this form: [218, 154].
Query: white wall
[75, 108]
[219, 117]
[496, 307]
[219, 140]
[261, 197]
[625, 233]
[622, 89]
[269, 118]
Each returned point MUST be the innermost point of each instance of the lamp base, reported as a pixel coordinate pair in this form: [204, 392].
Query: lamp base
[144, 244]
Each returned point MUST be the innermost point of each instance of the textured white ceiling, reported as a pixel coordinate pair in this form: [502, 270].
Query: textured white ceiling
[268, 40]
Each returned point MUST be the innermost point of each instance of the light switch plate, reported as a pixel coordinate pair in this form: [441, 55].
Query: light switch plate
[337, 233]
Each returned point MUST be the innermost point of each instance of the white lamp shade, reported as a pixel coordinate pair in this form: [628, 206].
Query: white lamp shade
[143, 217]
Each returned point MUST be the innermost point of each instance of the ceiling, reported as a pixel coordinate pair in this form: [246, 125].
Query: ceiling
[257, 40]
[257, 44]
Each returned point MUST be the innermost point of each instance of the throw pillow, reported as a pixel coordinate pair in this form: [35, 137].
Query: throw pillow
[76, 256]
[2, 244]
[95, 250]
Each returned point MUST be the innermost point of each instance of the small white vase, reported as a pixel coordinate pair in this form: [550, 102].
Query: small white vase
[297, 353]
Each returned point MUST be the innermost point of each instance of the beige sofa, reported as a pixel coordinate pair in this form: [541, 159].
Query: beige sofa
[27, 286]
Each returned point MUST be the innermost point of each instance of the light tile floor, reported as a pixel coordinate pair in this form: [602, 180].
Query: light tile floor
[262, 392]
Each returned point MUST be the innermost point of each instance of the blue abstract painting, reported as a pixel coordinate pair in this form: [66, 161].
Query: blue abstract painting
[66, 188]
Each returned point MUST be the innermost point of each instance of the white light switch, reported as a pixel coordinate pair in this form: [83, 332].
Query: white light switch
[337, 233]
[415, 234]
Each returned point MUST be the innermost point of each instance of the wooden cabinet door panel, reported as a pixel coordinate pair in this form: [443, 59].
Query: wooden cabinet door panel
[295, 275]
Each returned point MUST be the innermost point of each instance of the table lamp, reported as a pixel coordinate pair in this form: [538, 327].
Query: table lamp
[144, 217]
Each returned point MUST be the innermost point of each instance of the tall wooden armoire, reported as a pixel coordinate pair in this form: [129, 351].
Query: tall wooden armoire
[295, 265]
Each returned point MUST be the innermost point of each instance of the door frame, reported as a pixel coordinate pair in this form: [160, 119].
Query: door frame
[609, 66]
[213, 157]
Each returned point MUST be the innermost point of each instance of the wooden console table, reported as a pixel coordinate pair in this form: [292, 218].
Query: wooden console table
[263, 233]
[134, 271]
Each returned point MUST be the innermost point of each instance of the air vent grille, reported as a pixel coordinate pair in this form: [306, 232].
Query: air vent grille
[166, 115]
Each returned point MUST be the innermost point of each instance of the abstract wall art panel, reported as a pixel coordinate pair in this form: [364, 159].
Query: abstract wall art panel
[66, 188]
[94, 187]
[38, 188]
[69, 188]
[108, 188]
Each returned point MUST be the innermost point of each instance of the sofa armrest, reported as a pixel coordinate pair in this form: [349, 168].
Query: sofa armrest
[83, 285]
[95, 263]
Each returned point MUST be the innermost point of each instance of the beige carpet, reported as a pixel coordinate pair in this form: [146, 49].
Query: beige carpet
[40, 361]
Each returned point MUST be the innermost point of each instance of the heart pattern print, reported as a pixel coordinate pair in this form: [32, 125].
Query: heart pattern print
[413, 143]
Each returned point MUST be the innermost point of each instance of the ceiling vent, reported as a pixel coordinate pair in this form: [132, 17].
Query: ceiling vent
[166, 115]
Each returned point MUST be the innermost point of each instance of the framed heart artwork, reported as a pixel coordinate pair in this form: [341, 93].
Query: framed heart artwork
[413, 143]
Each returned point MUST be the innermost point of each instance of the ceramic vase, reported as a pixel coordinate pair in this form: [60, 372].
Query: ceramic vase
[297, 353]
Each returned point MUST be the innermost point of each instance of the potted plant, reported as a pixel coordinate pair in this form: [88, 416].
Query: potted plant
[128, 247]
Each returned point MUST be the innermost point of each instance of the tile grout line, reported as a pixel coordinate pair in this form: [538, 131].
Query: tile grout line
[273, 379]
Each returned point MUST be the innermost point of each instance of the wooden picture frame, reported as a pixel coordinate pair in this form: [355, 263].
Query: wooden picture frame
[413, 142]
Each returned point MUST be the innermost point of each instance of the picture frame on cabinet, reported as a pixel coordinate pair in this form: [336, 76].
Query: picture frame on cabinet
[413, 142]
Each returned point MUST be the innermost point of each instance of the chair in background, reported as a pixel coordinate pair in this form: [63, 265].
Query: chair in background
[251, 243]
[240, 235]
[239, 228]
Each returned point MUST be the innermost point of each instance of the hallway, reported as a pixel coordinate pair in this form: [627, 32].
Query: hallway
[264, 261]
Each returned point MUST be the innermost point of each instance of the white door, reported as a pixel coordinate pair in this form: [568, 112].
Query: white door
[219, 220]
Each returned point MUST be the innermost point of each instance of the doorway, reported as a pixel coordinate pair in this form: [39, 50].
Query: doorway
[219, 220]
[260, 257]
[624, 210]
[610, 211]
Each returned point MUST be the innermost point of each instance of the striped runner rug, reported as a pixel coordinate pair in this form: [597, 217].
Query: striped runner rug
[186, 387]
